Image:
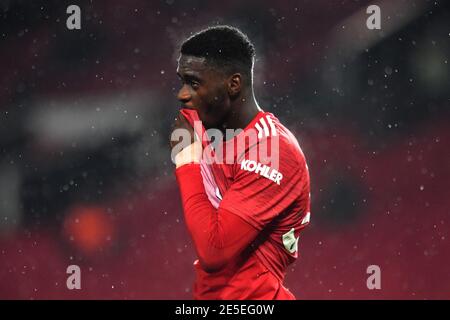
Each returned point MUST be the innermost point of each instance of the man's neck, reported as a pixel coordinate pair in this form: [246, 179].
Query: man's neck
[243, 112]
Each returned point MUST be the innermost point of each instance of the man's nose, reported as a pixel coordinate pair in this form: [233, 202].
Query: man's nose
[184, 95]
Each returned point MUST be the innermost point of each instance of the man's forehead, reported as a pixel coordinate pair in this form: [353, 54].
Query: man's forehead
[192, 63]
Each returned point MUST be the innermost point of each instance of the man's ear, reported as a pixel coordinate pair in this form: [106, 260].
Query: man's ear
[234, 84]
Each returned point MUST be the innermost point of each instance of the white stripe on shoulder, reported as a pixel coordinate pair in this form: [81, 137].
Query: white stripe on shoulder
[265, 127]
[258, 127]
[272, 126]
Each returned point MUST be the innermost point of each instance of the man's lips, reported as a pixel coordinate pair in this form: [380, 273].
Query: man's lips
[187, 107]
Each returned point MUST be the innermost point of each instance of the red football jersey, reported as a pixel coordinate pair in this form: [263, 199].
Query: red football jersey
[265, 181]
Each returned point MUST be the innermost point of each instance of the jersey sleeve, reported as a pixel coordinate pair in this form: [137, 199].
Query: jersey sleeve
[217, 234]
[259, 192]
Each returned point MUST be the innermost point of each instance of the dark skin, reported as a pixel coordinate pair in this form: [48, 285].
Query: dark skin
[222, 101]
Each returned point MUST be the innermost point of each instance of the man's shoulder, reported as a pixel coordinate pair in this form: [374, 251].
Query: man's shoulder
[275, 155]
[288, 145]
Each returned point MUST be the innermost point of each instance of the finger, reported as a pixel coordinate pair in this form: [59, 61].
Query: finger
[186, 124]
[183, 120]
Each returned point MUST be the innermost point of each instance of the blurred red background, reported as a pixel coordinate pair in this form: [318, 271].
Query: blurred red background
[85, 173]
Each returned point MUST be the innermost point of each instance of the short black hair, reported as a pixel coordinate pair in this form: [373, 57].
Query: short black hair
[223, 46]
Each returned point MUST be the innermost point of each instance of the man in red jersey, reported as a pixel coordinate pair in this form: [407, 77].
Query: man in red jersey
[245, 209]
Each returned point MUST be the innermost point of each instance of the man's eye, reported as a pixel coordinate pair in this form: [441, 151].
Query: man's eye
[194, 84]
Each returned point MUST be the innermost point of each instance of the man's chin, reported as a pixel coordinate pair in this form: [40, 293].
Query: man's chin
[210, 125]
[205, 122]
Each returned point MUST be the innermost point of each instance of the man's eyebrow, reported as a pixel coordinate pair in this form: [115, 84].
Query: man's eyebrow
[189, 76]
[192, 77]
